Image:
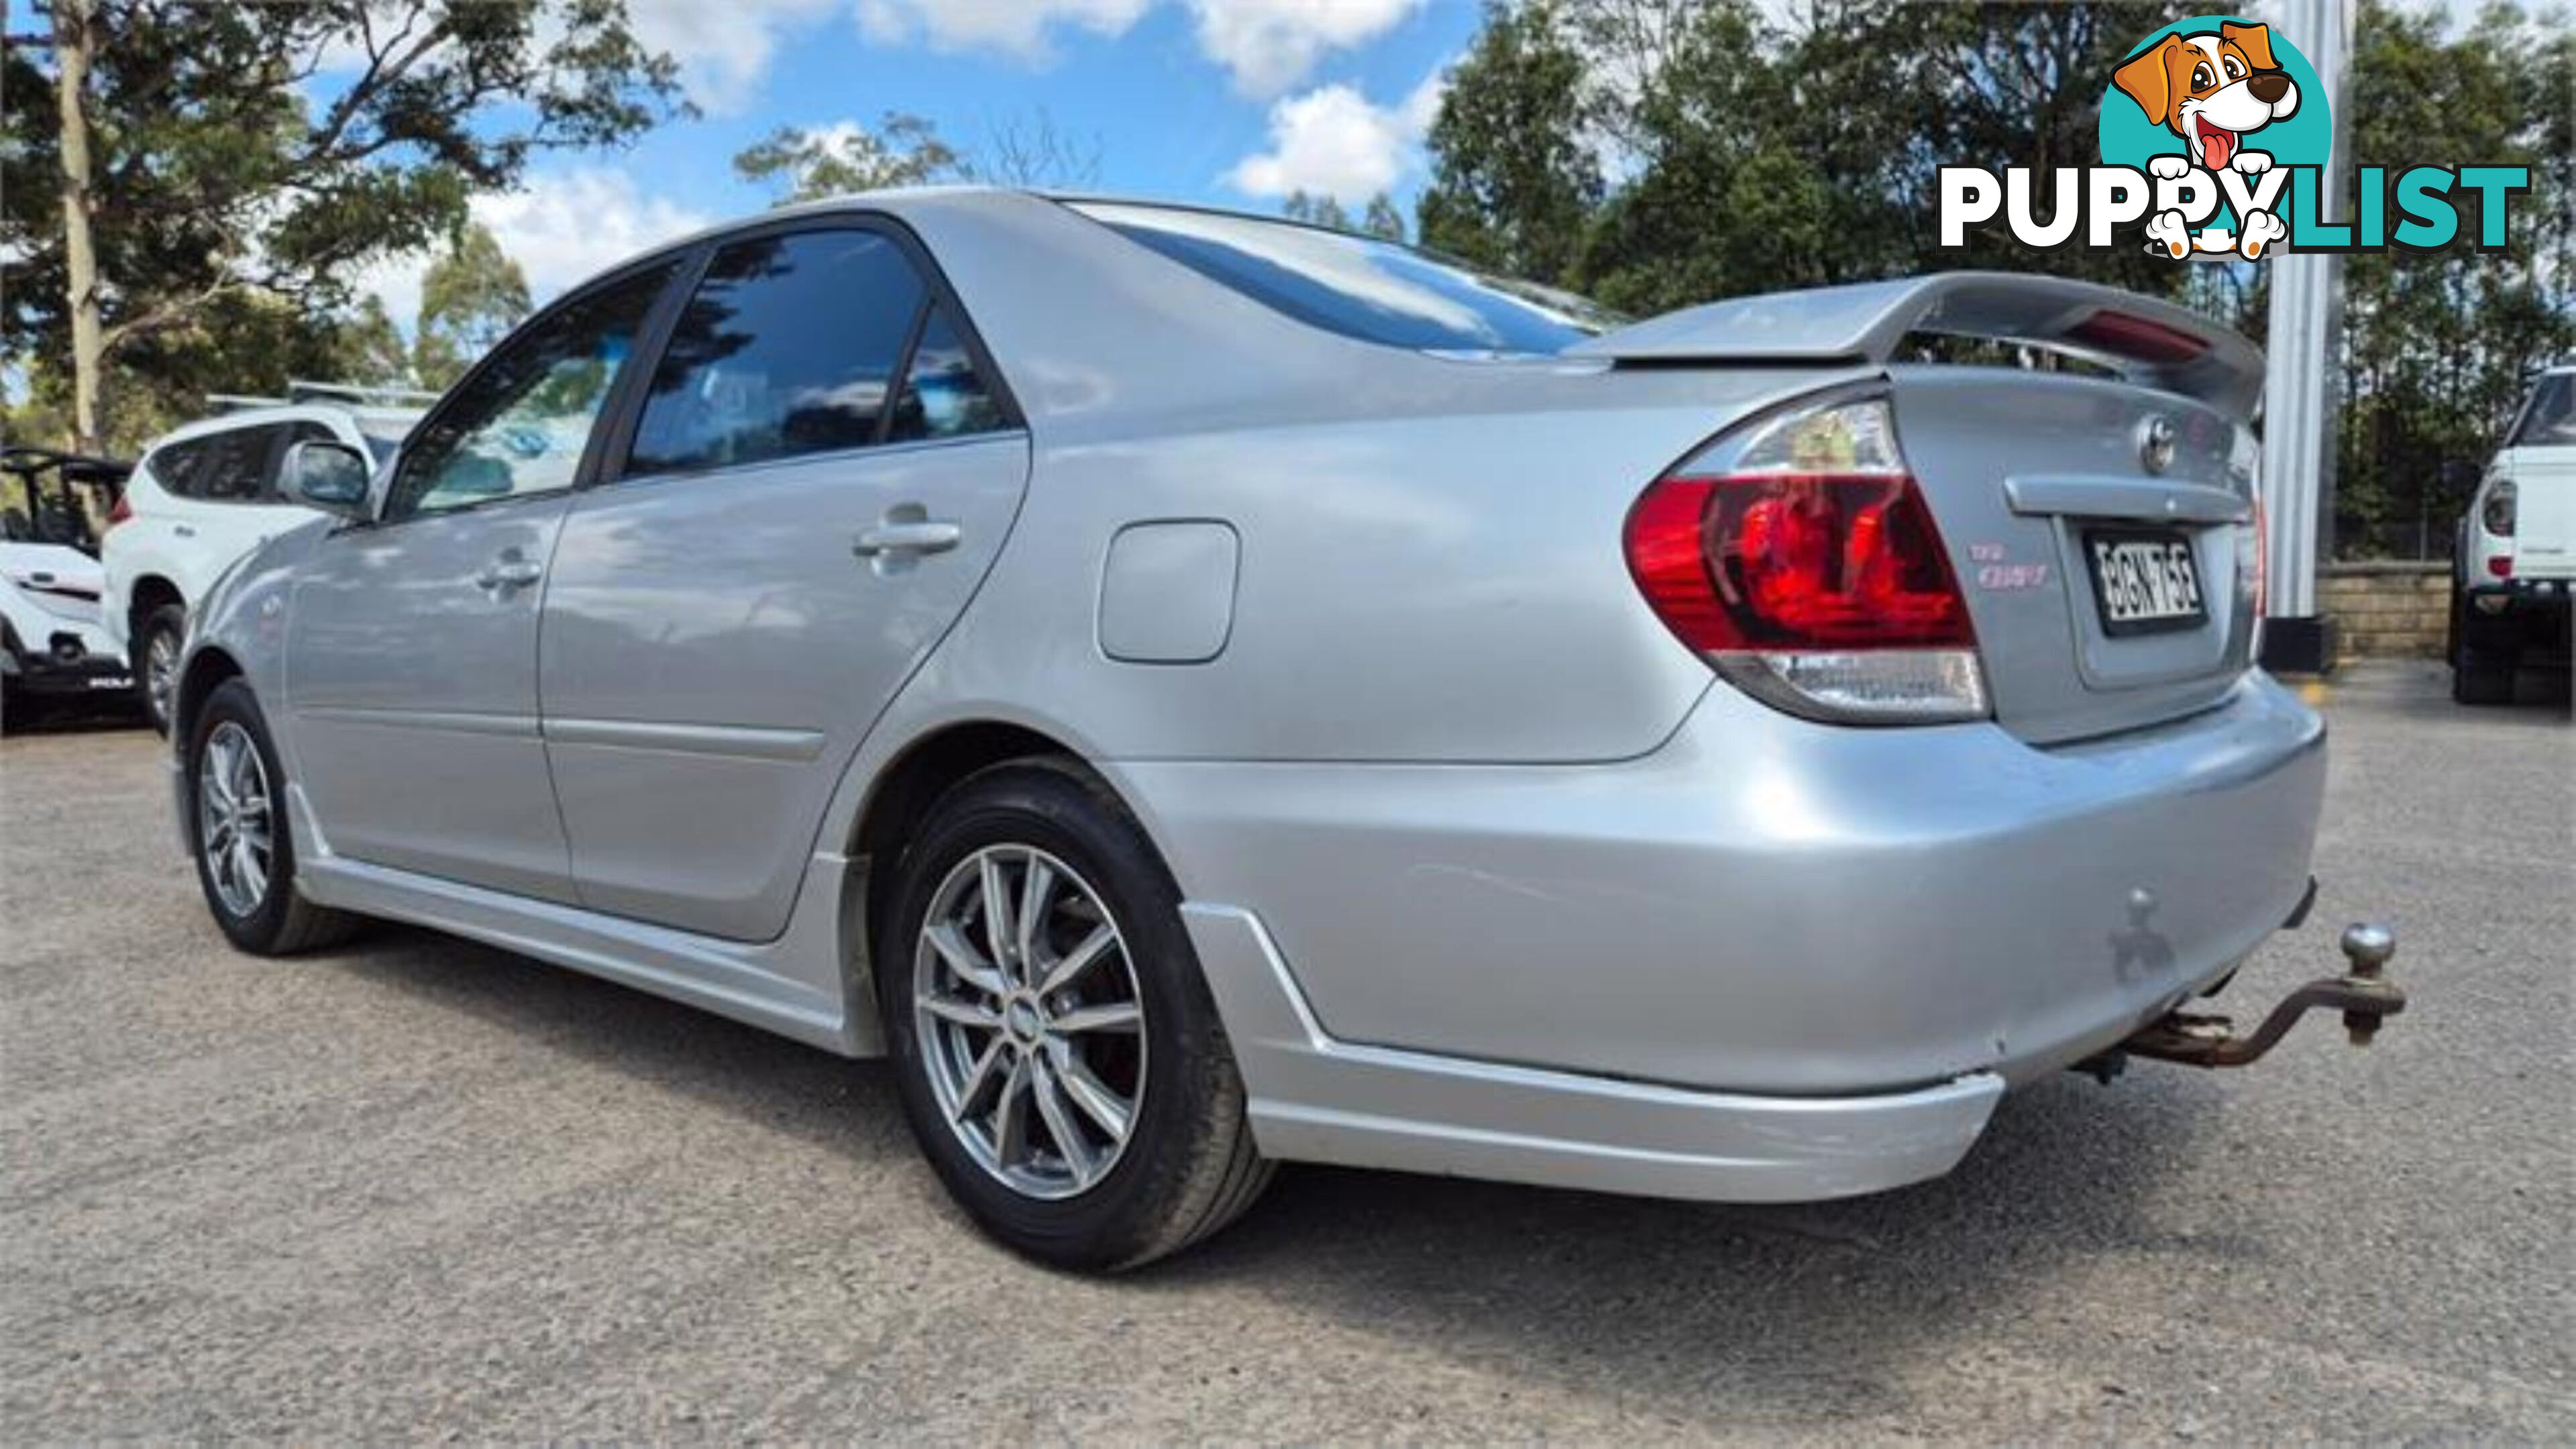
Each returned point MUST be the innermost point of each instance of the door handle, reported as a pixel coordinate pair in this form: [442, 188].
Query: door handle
[929, 535]
[509, 571]
[182, 530]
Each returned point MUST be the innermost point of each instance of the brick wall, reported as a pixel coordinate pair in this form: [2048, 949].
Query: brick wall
[2387, 610]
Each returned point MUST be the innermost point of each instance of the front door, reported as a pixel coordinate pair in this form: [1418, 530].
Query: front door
[412, 648]
[820, 474]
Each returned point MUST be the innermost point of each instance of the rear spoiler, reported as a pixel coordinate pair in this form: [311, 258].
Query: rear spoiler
[2154, 343]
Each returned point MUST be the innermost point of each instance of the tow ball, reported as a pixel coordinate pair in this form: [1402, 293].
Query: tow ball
[2364, 995]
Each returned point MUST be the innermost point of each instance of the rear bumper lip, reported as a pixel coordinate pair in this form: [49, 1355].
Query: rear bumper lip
[1316, 1099]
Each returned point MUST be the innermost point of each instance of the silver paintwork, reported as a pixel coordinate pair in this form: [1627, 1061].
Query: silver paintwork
[1030, 1022]
[1486, 872]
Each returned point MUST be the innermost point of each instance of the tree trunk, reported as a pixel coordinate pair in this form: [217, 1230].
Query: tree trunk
[75, 37]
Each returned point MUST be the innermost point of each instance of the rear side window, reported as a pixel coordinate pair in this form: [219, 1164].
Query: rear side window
[1377, 291]
[943, 394]
[790, 346]
[174, 466]
[233, 467]
[2550, 420]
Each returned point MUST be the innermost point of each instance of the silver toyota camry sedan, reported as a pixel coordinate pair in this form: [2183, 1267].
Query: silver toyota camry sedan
[1197, 691]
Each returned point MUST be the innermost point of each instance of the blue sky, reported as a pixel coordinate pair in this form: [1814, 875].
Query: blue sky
[1226, 101]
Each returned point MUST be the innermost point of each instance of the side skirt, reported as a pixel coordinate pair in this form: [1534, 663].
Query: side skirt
[791, 985]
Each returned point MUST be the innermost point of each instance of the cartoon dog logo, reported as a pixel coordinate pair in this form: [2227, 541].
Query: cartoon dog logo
[2211, 90]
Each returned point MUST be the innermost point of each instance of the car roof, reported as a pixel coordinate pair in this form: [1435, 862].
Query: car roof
[900, 202]
[355, 418]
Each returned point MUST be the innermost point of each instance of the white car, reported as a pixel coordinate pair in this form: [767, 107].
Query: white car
[203, 496]
[51, 644]
[2515, 569]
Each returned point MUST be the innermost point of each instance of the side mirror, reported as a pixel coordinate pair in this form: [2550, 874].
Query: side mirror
[332, 477]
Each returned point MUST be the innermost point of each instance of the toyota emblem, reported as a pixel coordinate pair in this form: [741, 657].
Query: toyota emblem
[2156, 443]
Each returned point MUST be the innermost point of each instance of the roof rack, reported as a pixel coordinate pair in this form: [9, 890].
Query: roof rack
[348, 394]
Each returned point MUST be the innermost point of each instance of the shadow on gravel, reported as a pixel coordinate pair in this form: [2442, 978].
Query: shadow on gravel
[1708, 1315]
[79, 718]
[1725, 1316]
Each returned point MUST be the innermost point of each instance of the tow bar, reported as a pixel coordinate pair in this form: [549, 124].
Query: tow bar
[2363, 994]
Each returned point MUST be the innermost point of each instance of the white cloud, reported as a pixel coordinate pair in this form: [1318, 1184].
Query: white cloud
[1332, 141]
[724, 49]
[565, 226]
[1270, 45]
[1015, 27]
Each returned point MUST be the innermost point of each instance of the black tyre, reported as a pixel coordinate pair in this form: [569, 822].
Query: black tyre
[241, 836]
[156, 662]
[1069, 1081]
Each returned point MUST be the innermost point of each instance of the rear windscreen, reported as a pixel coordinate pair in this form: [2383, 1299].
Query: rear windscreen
[2550, 420]
[1363, 287]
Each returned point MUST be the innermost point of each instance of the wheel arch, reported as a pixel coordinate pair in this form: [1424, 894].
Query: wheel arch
[205, 670]
[150, 592]
[899, 799]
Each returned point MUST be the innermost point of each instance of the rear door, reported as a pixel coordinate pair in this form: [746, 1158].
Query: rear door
[822, 469]
[411, 658]
[220, 516]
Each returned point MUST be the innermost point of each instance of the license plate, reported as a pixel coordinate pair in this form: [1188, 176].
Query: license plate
[111, 681]
[2144, 580]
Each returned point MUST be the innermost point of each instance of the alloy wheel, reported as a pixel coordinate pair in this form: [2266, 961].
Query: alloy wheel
[234, 818]
[160, 672]
[1029, 1020]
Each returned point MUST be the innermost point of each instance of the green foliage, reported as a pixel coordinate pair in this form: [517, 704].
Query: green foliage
[2437, 344]
[800, 164]
[258, 156]
[1514, 186]
[469, 300]
[1657, 153]
[808, 163]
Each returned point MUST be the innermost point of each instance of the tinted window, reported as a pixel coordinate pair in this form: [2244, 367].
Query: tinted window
[943, 395]
[174, 467]
[2550, 421]
[1363, 287]
[788, 347]
[234, 465]
[520, 422]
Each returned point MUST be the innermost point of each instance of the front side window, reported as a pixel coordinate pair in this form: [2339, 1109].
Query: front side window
[788, 347]
[520, 423]
[1363, 287]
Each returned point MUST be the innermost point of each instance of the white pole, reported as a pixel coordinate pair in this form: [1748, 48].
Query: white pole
[2299, 405]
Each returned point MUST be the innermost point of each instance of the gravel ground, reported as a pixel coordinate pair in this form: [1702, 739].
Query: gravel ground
[418, 1187]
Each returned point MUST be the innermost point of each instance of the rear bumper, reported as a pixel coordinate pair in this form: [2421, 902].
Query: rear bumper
[1314, 1099]
[1773, 960]
[1766, 905]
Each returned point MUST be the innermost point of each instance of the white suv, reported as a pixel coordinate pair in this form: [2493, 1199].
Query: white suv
[2515, 570]
[202, 497]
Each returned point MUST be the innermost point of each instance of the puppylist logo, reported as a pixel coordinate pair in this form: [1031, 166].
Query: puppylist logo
[2214, 135]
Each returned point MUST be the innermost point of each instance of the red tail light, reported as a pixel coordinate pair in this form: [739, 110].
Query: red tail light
[2500, 565]
[1803, 563]
[118, 512]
